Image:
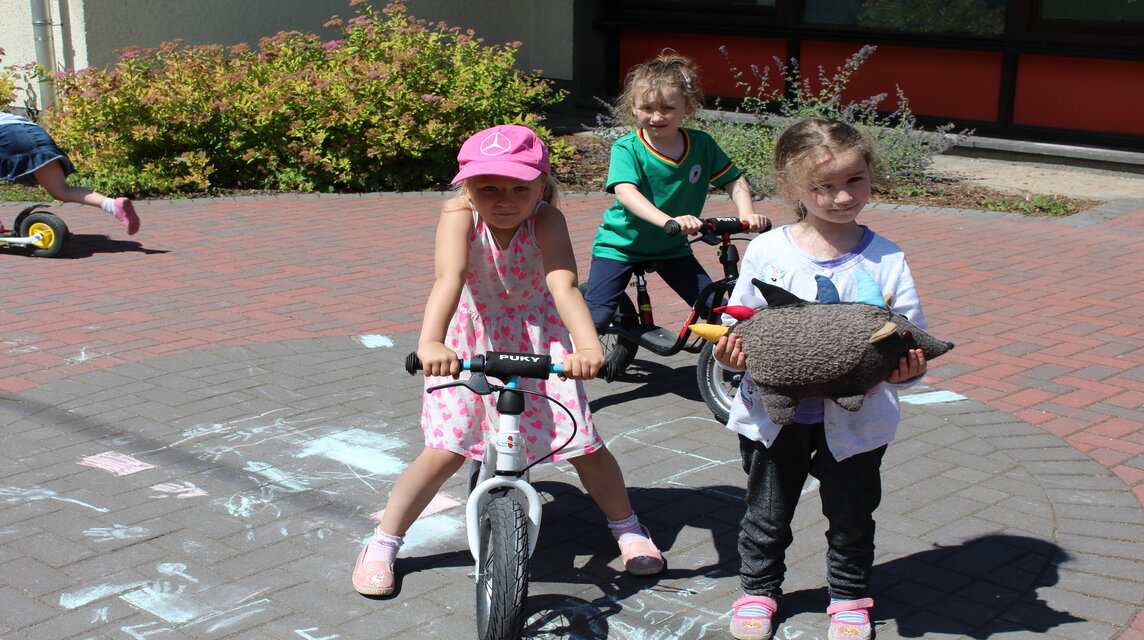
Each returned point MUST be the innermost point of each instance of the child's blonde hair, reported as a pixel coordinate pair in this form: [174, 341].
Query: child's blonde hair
[668, 69]
[804, 145]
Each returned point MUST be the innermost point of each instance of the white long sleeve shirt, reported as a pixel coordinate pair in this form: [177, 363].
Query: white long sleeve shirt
[776, 259]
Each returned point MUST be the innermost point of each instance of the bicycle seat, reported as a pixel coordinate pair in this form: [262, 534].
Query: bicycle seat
[647, 266]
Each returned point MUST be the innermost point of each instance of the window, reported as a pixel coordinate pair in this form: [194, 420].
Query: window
[954, 17]
[1117, 11]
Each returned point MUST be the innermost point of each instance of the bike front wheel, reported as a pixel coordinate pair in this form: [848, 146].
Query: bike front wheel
[502, 570]
[717, 385]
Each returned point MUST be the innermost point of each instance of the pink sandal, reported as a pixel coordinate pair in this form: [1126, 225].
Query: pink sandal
[751, 617]
[372, 578]
[125, 214]
[641, 557]
[855, 625]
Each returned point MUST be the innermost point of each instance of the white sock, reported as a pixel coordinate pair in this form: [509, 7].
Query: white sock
[108, 205]
[627, 529]
[383, 547]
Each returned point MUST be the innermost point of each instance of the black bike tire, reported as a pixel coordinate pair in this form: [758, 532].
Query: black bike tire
[717, 385]
[619, 352]
[502, 580]
[59, 233]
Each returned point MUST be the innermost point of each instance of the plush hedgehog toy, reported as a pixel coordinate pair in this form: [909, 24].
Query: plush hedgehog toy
[828, 349]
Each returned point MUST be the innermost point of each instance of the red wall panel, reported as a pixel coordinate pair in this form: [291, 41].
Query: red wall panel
[1080, 93]
[938, 82]
[714, 71]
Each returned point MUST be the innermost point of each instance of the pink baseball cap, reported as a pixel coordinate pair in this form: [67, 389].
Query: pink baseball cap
[508, 150]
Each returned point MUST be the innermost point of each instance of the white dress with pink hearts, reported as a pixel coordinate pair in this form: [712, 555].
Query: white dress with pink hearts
[506, 306]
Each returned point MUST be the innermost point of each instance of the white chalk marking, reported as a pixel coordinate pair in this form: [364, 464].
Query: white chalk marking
[433, 529]
[39, 493]
[175, 569]
[75, 599]
[932, 397]
[115, 532]
[305, 633]
[182, 489]
[163, 601]
[374, 341]
[358, 448]
[279, 477]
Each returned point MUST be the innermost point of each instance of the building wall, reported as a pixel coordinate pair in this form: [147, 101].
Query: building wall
[88, 32]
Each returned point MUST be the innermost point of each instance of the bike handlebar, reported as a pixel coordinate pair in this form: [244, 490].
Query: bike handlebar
[501, 365]
[714, 226]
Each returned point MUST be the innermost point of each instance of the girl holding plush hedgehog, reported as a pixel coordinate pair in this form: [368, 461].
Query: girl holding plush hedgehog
[823, 167]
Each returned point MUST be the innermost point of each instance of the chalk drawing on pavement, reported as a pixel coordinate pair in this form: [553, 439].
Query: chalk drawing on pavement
[374, 341]
[116, 532]
[16, 495]
[114, 462]
[182, 489]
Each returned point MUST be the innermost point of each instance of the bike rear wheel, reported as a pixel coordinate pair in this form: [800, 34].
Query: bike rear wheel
[618, 350]
[502, 570]
[717, 385]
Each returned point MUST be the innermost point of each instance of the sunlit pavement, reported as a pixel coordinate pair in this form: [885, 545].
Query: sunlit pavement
[201, 418]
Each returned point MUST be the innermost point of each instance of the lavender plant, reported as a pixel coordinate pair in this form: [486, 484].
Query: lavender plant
[383, 107]
[749, 132]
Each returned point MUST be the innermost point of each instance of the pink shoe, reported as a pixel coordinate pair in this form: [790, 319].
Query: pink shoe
[751, 617]
[372, 578]
[641, 557]
[125, 213]
[849, 620]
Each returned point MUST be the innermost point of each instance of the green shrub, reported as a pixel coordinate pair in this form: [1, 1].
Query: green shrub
[7, 85]
[384, 107]
[749, 133]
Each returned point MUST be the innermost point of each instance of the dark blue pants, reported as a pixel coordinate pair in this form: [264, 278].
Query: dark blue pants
[849, 490]
[608, 278]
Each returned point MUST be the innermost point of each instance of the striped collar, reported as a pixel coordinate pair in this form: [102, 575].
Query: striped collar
[651, 149]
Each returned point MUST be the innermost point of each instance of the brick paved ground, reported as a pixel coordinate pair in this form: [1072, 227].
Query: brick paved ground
[199, 420]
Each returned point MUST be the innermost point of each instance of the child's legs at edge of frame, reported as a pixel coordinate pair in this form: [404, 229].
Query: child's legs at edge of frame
[51, 177]
[416, 486]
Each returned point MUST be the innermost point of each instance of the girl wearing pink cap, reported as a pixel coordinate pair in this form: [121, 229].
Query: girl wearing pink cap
[506, 281]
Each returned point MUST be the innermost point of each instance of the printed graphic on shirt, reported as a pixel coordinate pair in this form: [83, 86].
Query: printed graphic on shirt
[693, 175]
[773, 274]
[747, 392]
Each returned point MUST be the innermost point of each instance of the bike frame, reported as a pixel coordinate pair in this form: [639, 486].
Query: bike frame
[504, 471]
[503, 468]
[701, 310]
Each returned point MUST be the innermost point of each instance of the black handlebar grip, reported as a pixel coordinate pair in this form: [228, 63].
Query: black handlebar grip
[671, 228]
[412, 363]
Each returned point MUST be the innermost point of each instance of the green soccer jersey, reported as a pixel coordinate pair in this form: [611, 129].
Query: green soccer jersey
[675, 187]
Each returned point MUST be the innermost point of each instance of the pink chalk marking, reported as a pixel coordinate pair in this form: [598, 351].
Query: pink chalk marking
[440, 502]
[120, 464]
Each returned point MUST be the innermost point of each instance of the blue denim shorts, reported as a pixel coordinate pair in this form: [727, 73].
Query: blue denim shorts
[24, 148]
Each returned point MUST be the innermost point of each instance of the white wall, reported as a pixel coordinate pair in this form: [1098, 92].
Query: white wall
[88, 32]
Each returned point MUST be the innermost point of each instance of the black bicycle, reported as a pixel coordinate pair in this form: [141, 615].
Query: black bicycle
[633, 325]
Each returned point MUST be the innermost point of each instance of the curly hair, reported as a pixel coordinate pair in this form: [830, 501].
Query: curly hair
[668, 69]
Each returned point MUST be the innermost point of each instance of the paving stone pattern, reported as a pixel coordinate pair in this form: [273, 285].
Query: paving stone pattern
[200, 420]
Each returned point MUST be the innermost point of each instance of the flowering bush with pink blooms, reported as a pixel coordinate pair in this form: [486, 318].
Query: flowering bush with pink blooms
[384, 107]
